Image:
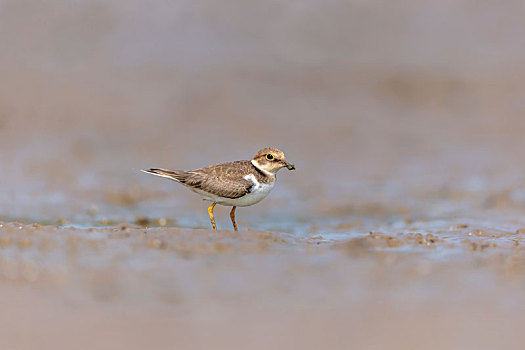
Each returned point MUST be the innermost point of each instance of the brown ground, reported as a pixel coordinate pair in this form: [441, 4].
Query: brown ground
[401, 228]
[134, 288]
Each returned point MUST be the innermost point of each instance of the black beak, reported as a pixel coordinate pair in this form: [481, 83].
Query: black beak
[290, 166]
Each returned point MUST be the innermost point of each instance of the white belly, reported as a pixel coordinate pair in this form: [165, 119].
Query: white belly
[258, 193]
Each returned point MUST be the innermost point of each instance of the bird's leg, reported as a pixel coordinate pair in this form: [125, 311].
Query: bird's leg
[210, 212]
[232, 216]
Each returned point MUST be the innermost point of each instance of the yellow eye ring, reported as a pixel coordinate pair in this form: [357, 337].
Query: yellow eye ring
[269, 156]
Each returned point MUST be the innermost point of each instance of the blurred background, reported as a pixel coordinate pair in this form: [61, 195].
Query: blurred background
[373, 101]
[402, 117]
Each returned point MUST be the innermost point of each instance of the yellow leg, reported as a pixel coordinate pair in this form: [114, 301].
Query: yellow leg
[210, 212]
[232, 216]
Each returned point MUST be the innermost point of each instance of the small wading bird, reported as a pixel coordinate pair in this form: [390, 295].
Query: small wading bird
[237, 184]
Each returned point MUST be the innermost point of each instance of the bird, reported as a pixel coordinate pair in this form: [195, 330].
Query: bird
[237, 184]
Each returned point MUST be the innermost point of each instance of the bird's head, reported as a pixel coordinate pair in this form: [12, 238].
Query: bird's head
[271, 160]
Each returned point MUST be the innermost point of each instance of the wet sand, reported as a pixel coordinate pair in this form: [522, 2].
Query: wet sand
[419, 284]
[403, 226]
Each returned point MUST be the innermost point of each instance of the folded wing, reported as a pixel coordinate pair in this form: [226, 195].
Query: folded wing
[224, 180]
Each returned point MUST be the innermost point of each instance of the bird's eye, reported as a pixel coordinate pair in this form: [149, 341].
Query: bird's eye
[269, 156]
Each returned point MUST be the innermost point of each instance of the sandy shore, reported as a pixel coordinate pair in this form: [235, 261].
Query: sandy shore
[130, 287]
[402, 228]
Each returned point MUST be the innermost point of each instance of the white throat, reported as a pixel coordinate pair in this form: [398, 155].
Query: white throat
[258, 166]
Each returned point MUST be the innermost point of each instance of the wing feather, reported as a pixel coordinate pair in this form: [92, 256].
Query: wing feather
[224, 180]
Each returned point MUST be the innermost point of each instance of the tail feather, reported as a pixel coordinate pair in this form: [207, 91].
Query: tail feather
[176, 175]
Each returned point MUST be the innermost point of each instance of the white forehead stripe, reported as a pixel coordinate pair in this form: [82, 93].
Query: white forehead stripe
[256, 164]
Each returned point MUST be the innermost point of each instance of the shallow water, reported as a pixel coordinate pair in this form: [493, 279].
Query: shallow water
[409, 281]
